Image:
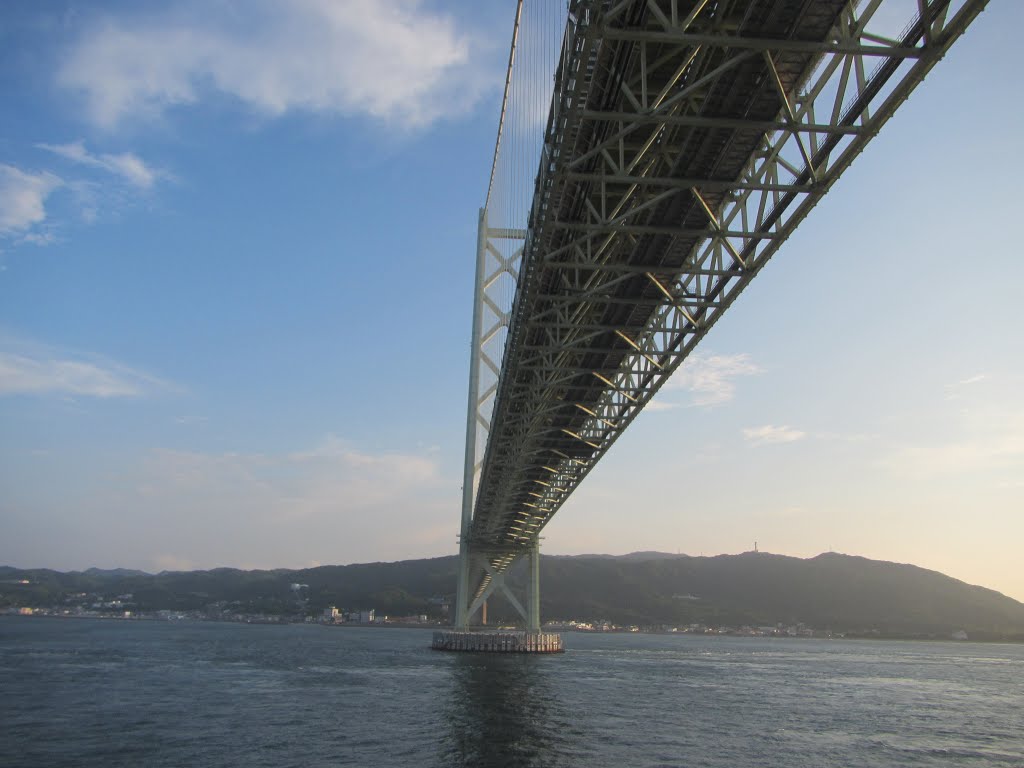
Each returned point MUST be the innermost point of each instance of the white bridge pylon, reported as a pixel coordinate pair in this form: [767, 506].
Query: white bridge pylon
[499, 253]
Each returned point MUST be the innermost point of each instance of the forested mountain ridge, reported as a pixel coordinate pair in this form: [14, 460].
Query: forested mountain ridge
[831, 591]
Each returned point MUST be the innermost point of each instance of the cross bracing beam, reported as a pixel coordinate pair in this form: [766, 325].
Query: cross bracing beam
[763, 44]
[686, 141]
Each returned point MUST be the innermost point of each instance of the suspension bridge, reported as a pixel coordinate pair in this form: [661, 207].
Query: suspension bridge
[651, 157]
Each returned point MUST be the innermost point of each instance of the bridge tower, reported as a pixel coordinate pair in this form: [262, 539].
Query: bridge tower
[499, 252]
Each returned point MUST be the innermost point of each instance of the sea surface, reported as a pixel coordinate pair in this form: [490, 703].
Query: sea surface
[80, 692]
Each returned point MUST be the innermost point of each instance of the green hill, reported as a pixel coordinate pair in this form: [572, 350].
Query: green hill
[831, 591]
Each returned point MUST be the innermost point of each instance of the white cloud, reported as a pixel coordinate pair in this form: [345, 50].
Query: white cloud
[22, 375]
[23, 198]
[24, 217]
[28, 370]
[660, 405]
[973, 379]
[127, 165]
[396, 61]
[769, 433]
[39, 238]
[710, 379]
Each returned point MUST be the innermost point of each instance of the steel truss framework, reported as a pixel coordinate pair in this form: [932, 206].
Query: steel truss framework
[686, 141]
[499, 254]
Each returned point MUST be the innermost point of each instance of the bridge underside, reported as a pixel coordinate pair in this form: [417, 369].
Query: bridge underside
[685, 142]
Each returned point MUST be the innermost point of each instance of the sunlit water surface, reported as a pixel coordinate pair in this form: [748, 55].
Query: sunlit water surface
[112, 693]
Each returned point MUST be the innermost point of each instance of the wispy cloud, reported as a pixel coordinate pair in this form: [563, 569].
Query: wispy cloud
[333, 502]
[770, 433]
[23, 201]
[27, 369]
[996, 452]
[711, 379]
[398, 62]
[845, 437]
[660, 405]
[989, 439]
[125, 165]
[964, 387]
[378, 475]
[26, 217]
[973, 379]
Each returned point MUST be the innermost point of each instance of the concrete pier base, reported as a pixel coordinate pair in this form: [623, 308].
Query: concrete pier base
[498, 642]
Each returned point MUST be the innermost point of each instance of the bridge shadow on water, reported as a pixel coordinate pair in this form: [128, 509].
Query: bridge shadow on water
[506, 710]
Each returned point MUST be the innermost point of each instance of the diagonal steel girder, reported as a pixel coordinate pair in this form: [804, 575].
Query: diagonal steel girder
[685, 143]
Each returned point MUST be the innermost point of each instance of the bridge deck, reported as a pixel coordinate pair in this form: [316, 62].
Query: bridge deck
[681, 149]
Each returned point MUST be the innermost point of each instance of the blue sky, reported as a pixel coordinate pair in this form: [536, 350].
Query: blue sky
[236, 252]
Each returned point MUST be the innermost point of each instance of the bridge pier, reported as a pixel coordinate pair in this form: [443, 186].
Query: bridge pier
[465, 637]
[498, 642]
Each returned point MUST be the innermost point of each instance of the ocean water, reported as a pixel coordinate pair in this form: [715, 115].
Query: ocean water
[76, 692]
